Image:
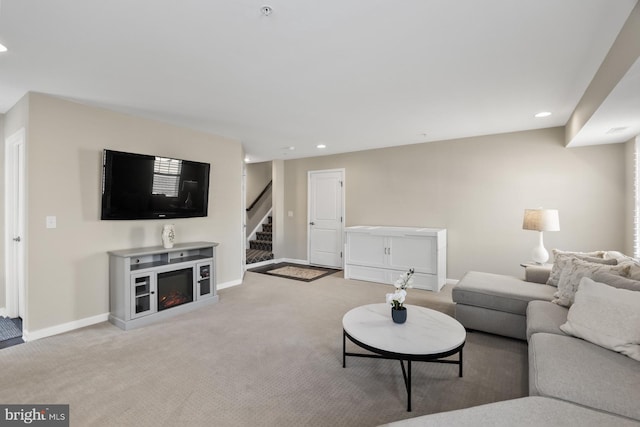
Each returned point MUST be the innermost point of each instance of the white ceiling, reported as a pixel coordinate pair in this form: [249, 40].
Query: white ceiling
[353, 75]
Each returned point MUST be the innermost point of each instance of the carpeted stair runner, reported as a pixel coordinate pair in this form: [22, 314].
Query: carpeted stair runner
[261, 249]
[8, 329]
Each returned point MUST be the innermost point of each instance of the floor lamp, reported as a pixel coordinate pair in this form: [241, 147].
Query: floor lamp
[541, 220]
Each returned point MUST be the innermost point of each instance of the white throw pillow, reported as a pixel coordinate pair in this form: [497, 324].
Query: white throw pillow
[606, 316]
[574, 270]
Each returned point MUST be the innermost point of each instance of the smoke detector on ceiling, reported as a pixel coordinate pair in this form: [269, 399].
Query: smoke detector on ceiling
[266, 10]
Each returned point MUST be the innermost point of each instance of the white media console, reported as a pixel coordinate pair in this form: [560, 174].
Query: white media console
[148, 284]
[382, 254]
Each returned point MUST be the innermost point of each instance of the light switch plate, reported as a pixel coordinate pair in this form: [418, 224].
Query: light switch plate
[51, 222]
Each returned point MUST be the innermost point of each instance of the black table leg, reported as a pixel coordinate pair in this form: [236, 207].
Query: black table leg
[409, 386]
[406, 376]
[460, 367]
[344, 349]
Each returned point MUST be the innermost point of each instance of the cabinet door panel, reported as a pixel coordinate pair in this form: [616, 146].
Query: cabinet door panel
[367, 273]
[428, 282]
[143, 295]
[365, 249]
[204, 286]
[413, 252]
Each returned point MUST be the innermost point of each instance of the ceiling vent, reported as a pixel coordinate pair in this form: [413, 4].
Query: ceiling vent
[617, 130]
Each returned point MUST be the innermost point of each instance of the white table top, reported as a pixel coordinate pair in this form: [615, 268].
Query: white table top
[425, 332]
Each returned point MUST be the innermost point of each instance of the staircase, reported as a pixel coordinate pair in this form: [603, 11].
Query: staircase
[261, 249]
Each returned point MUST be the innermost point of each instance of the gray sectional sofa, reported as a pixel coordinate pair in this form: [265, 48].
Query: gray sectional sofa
[572, 381]
[497, 303]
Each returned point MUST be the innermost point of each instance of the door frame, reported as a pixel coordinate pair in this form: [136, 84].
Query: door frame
[342, 172]
[15, 256]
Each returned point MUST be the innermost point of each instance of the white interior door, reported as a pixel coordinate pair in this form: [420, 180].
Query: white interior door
[15, 224]
[326, 217]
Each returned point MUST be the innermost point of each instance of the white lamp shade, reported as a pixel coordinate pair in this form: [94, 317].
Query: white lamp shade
[541, 220]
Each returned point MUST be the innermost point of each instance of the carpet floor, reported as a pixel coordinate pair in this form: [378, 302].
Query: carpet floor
[269, 354]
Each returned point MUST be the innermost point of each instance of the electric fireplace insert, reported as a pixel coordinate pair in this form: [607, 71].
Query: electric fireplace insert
[175, 288]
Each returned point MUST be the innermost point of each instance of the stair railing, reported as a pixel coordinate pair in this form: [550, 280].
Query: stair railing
[262, 193]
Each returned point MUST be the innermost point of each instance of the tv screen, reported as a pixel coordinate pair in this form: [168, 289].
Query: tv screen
[139, 186]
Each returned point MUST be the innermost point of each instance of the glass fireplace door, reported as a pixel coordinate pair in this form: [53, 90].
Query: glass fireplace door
[175, 288]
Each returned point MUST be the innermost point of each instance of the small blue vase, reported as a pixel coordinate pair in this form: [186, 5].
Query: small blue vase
[399, 315]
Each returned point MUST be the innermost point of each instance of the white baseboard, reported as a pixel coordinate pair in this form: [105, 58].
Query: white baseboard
[228, 284]
[276, 261]
[3, 311]
[451, 282]
[259, 264]
[65, 327]
[293, 261]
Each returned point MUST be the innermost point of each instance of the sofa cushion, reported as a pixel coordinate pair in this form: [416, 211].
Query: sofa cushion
[560, 258]
[492, 321]
[499, 292]
[544, 316]
[575, 370]
[526, 411]
[537, 273]
[616, 281]
[606, 316]
[574, 270]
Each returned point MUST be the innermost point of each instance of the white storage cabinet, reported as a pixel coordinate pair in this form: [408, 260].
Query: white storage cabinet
[382, 254]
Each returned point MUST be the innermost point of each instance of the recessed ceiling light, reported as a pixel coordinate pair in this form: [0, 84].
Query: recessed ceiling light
[292, 148]
[321, 146]
[247, 159]
[2, 48]
[542, 114]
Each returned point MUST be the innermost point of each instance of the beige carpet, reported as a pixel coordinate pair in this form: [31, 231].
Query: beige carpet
[268, 354]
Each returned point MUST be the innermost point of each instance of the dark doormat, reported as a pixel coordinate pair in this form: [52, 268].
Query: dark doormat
[304, 273]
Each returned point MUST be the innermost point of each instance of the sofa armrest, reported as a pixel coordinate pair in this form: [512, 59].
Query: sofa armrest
[537, 273]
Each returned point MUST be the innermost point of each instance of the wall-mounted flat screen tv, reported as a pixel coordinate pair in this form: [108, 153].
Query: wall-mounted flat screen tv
[139, 186]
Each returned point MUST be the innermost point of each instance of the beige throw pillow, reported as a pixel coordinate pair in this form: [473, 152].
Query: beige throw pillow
[574, 270]
[634, 273]
[607, 317]
[561, 258]
[634, 269]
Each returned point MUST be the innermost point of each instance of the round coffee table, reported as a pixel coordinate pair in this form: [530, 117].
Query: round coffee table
[426, 336]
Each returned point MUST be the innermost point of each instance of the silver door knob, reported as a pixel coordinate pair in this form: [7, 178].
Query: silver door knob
[16, 239]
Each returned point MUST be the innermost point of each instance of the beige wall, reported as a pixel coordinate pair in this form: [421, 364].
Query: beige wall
[68, 266]
[258, 176]
[478, 189]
